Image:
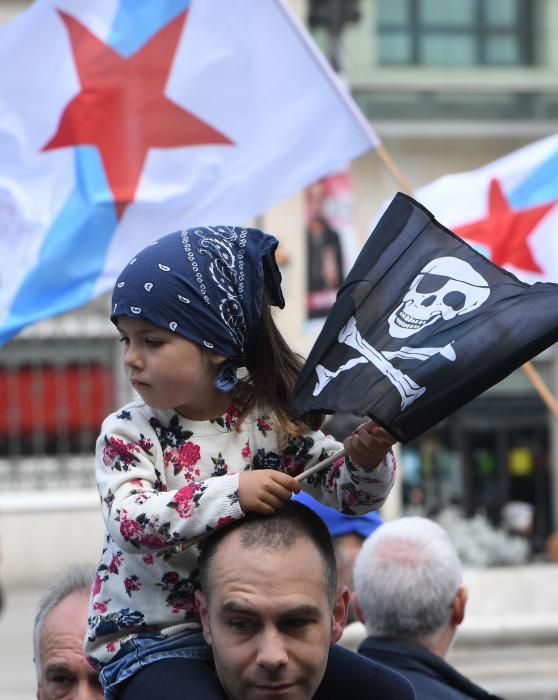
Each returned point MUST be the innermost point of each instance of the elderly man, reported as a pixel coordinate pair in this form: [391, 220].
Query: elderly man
[270, 608]
[410, 597]
[62, 670]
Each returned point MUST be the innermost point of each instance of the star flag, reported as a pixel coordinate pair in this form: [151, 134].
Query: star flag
[507, 209]
[121, 120]
[422, 324]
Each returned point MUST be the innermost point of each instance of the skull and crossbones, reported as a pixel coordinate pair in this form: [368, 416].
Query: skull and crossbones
[445, 288]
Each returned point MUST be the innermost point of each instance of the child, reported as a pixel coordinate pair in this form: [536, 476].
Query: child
[203, 445]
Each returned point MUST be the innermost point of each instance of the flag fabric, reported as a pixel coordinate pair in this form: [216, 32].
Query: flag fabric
[121, 120]
[422, 325]
[506, 209]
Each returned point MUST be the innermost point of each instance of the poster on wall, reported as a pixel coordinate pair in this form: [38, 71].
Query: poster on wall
[330, 240]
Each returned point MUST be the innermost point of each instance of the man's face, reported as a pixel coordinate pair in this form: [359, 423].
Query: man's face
[269, 620]
[66, 674]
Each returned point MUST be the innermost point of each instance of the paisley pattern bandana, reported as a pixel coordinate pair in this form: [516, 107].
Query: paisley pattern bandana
[205, 284]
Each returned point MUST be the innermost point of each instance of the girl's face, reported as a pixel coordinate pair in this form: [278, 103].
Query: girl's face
[169, 371]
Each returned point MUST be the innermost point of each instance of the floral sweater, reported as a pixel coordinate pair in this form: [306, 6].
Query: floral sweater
[164, 481]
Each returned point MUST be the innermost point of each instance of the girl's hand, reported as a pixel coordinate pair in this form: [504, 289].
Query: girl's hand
[368, 445]
[265, 490]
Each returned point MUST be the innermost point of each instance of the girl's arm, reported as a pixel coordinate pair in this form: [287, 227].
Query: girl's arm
[350, 486]
[140, 512]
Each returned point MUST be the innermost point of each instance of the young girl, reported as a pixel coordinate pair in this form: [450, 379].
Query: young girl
[201, 446]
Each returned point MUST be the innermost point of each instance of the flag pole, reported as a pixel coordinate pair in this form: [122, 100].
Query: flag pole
[320, 465]
[544, 392]
[387, 160]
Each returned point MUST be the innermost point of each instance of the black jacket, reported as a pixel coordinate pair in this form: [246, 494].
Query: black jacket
[432, 677]
[349, 676]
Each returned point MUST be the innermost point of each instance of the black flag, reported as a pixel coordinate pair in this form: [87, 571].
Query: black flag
[422, 325]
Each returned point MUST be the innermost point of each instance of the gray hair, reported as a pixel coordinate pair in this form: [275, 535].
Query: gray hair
[406, 576]
[75, 579]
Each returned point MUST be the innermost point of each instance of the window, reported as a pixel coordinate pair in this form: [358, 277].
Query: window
[455, 33]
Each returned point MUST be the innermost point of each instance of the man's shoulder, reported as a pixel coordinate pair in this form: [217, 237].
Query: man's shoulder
[431, 676]
[386, 683]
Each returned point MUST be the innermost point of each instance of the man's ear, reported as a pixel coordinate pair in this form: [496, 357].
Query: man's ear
[459, 605]
[340, 613]
[202, 607]
[356, 608]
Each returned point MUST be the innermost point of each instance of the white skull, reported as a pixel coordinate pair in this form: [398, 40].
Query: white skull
[445, 288]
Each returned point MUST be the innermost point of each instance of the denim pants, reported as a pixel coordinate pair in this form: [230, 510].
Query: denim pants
[140, 651]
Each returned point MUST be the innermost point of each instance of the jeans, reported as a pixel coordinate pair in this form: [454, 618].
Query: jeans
[141, 651]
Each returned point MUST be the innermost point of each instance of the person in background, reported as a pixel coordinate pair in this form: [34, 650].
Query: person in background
[209, 439]
[409, 594]
[348, 532]
[63, 672]
[271, 608]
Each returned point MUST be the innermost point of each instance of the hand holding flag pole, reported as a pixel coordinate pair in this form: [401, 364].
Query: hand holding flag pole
[367, 446]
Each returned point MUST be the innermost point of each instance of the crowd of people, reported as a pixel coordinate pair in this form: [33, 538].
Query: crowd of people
[213, 581]
[271, 606]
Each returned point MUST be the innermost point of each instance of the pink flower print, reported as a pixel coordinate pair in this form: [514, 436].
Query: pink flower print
[101, 606]
[119, 454]
[96, 587]
[110, 647]
[225, 520]
[334, 472]
[131, 583]
[145, 443]
[184, 457]
[129, 529]
[115, 562]
[263, 424]
[338, 464]
[153, 541]
[137, 482]
[231, 415]
[148, 559]
[246, 451]
[183, 499]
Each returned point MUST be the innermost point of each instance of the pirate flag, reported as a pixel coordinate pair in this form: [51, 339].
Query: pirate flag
[422, 325]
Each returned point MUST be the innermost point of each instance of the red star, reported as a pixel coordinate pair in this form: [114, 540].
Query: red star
[122, 108]
[505, 231]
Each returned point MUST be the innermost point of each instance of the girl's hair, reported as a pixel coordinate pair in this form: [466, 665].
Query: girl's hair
[273, 369]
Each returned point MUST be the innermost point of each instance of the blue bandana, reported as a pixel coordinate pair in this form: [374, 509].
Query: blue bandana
[205, 284]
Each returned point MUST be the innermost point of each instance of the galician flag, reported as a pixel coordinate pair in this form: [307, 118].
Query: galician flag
[507, 209]
[121, 120]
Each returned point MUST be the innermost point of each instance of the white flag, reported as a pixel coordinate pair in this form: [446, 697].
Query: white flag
[123, 121]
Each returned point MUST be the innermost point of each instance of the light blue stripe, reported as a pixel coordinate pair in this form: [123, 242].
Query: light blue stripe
[540, 187]
[74, 250]
[137, 20]
[73, 253]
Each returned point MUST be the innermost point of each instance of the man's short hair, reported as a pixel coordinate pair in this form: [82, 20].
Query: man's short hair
[277, 531]
[406, 576]
[75, 579]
